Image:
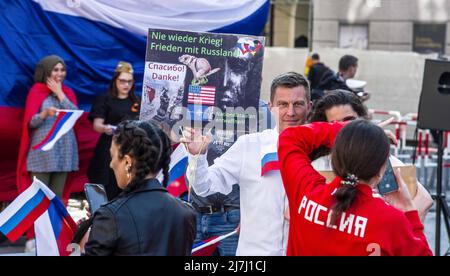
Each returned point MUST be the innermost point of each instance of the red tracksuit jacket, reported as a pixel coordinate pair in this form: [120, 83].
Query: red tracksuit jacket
[369, 227]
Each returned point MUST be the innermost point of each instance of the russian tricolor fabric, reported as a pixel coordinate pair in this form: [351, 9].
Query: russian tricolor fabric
[205, 247]
[269, 162]
[176, 185]
[38, 205]
[65, 120]
[208, 246]
[193, 15]
[178, 165]
[54, 230]
[20, 215]
[92, 36]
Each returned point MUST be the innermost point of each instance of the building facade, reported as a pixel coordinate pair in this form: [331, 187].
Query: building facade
[421, 26]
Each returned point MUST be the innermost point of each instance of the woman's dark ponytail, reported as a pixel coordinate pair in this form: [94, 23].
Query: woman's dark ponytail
[345, 196]
[360, 150]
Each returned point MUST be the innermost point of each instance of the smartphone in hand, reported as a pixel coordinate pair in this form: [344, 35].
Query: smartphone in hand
[388, 183]
[95, 195]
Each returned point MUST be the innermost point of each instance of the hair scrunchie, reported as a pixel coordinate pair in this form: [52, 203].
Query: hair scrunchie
[350, 179]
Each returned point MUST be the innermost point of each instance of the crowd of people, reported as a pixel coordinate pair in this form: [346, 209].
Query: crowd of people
[267, 184]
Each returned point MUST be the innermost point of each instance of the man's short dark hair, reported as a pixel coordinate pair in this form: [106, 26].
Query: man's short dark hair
[315, 56]
[290, 80]
[347, 61]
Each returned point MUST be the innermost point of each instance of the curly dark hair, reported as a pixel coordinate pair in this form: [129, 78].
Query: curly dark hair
[331, 99]
[148, 145]
[335, 98]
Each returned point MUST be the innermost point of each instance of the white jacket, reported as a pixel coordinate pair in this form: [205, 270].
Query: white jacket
[263, 200]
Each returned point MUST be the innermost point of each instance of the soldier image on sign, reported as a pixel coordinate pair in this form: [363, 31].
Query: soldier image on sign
[187, 74]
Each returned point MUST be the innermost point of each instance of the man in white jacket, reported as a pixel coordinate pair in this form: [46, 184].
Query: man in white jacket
[252, 162]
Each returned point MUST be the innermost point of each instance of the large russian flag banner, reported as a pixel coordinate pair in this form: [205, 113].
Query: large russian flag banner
[92, 36]
[53, 225]
[65, 120]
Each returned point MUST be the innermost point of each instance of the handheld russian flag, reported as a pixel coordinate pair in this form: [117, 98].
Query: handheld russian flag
[269, 162]
[54, 227]
[208, 246]
[177, 170]
[20, 215]
[54, 230]
[65, 120]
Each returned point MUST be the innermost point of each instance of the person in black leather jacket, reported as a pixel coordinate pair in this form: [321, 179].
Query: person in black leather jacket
[144, 219]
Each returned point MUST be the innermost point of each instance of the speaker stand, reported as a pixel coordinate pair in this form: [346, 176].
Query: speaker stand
[441, 204]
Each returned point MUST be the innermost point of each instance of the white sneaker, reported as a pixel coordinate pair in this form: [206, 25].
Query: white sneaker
[30, 246]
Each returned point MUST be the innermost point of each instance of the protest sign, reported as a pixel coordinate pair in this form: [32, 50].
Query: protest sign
[202, 77]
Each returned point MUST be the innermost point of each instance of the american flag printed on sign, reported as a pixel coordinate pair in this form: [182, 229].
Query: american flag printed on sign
[204, 95]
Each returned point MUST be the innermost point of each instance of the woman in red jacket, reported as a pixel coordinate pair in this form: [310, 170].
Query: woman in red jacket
[343, 218]
[46, 96]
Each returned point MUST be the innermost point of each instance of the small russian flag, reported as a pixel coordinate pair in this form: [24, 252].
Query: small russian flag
[20, 215]
[208, 246]
[269, 163]
[64, 122]
[177, 182]
[38, 205]
[205, 247]
[54, 230]
[176, 185]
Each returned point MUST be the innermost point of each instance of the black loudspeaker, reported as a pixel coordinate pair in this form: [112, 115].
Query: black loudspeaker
[434, 113]
[434, 105]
